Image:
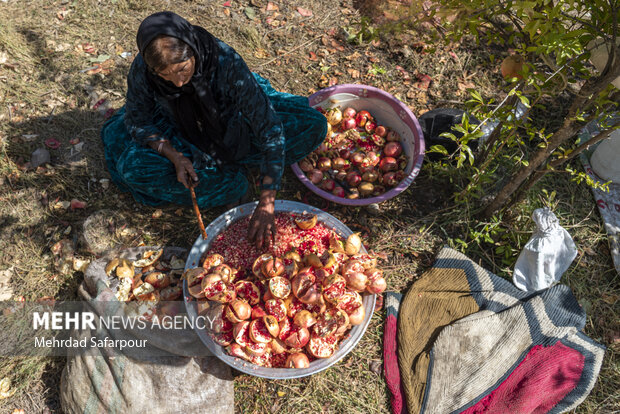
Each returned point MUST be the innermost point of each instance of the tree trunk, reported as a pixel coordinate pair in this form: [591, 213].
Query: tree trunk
[569, 128]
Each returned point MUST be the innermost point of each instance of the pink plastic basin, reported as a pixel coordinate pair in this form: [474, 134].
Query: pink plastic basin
[388, 111]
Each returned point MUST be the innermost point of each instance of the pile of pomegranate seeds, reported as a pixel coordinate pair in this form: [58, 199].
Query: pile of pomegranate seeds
[238, 252]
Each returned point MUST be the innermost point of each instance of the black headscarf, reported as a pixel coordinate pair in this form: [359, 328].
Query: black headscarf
[193, 105]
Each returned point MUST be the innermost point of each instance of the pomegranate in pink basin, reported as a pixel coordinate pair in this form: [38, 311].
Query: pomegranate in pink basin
[360, 149]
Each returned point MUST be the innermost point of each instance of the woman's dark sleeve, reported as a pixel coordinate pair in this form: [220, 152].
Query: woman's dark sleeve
[254, 105]
[143, 117]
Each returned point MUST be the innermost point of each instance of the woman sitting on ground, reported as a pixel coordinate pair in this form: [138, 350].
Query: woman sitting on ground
[196, 116]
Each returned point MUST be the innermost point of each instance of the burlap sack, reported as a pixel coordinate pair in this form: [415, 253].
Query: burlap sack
[173, 381]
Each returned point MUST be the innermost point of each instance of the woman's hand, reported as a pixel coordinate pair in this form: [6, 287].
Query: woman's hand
[262, 227]
[185, 171]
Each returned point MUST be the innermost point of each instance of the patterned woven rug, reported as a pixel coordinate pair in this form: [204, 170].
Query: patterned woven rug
[468, 341]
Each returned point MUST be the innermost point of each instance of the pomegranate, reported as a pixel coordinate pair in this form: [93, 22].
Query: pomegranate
[277, 346]
[376, 285]
[370, 127]
[362, 117]
[280, 287]
[512, 67]
[258, 312]
[402, 162]
[349, 113]
[159, 280]
[212, 260]
[238, 310]
[381, 131]
[392, 136]
[238, 351]
[353, 244]
[339, 163]
[338, 192]
[223, 338]
[389, 179]
[297, 360]
[332, 322]
[377, 140]
[333, 288]
[357, 281]
[365, 188]
[276, 308]
[334, 116]
[248, 291]
[347, 124]
[304, 222]
[272, 267]
[341, 176]
[378, 190]
[353, 179]
[356, 317]
[393, 149]
[370, 176]
[374, 158]
[241, 334]
[259, 332]
[306, 165]
[353, 194]
[388, 164]
[328, 184]
[324, 164]
[322, 347]
[315, 176]
[304, 319]
[298, 337]
[357, 158]
[304, 287]
[225, 271]
[345, 154]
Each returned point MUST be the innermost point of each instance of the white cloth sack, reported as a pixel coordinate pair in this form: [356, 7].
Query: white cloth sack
[546, 256]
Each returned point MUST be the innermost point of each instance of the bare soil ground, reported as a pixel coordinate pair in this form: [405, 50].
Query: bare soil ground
[51, 87]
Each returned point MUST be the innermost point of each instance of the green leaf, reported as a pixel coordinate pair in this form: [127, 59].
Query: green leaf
[438, 149]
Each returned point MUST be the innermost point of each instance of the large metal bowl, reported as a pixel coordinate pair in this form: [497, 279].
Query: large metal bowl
[201, 245]
[389, 111]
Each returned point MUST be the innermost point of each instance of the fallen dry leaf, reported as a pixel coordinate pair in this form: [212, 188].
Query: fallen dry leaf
[5, 388]
[6, 290]
[272, 7]
[424, 81]
[304, 12]
[157, 214]
[75, 204]
[403, 72]
[61, 205]
[354, 73]
[353, 56]
[261, 54]
[62, 13]
[312, 56]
